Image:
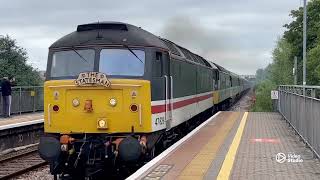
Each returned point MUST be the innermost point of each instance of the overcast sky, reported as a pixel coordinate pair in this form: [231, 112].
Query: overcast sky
[237, 34]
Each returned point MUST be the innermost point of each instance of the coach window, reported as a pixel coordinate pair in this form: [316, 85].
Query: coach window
[157, 65]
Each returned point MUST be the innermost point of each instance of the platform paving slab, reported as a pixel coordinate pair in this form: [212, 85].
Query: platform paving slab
[265, 136]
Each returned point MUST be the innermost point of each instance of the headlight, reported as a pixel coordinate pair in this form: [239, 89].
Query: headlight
[113, 102]
[102, 123]
[75, 102]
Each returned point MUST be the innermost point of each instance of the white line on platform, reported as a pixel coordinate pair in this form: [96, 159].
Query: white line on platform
[168, 151]
[26, 123]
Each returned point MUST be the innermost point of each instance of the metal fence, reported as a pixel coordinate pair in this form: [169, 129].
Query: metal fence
[302, 112]
[25, 99]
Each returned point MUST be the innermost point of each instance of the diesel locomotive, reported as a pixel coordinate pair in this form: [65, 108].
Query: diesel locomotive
[114, 93]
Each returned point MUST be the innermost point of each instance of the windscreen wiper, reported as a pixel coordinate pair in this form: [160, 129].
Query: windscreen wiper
[79, 55]
[126, 46]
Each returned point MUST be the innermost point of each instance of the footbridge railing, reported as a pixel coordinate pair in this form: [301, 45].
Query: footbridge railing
[302, 111]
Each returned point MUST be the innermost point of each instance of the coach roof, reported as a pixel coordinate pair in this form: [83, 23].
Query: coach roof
[111, 33]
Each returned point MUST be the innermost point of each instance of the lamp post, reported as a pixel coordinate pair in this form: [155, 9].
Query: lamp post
[304, 43]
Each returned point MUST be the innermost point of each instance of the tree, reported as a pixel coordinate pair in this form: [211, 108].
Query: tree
[277, 73]
[13, 62]
[290, 45]
[260, 75]
[281, 68]
[293, 35]
[313, 66]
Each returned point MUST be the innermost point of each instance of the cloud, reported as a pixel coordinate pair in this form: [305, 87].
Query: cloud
[232, 48]
[239, 34]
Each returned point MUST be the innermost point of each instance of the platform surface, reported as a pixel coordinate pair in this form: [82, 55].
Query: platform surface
[21, 119]
[236, 145]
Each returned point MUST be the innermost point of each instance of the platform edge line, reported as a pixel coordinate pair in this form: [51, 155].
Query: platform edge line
[165, 153]
[228, 162]
[25, 123]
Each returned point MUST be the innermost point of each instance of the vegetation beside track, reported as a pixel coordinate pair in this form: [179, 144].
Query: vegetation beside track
[280, 71]
[13, 62]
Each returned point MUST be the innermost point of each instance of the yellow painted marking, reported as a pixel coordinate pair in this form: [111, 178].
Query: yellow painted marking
[231, 155]
[199, 165]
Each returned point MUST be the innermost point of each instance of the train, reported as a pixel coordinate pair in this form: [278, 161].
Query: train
[115, 94]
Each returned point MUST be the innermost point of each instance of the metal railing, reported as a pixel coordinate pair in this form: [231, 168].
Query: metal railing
[25, 99]
[302, 112]
[311, 91]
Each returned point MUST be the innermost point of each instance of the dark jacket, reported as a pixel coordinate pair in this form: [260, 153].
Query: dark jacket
[6, 88]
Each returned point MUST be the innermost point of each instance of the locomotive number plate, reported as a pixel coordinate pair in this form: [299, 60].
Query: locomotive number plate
[92, 78]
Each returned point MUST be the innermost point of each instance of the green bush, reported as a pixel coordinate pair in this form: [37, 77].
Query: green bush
[263, 99]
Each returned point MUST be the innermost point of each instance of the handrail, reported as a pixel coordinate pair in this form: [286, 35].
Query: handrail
[26, 87]
[308, 97]
[300, 110]
[171, 100]
[301, 86]
[166, 98]
[140, 115]
[306, 91]
[49, 114]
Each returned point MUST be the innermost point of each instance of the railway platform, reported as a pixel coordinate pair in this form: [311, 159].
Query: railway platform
[21, 120]
[236, 145]
[19, 131]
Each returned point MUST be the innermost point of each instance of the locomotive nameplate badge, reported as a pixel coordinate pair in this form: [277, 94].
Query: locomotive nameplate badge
[93, 78]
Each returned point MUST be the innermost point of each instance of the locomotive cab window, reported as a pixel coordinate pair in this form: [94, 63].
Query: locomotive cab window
[72, 62]
[122, 62]
[157, 65]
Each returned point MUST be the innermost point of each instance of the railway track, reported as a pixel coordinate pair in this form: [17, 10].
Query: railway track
[20, 162]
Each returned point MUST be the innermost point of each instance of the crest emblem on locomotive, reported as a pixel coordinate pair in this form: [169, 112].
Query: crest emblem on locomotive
[93, 78]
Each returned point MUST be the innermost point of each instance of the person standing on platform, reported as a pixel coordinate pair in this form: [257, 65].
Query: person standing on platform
[6, 95]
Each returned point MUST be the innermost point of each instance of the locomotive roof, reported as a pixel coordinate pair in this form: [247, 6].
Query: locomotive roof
[221, 68]
[113, 33]
[213, 65]
[118, 33]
